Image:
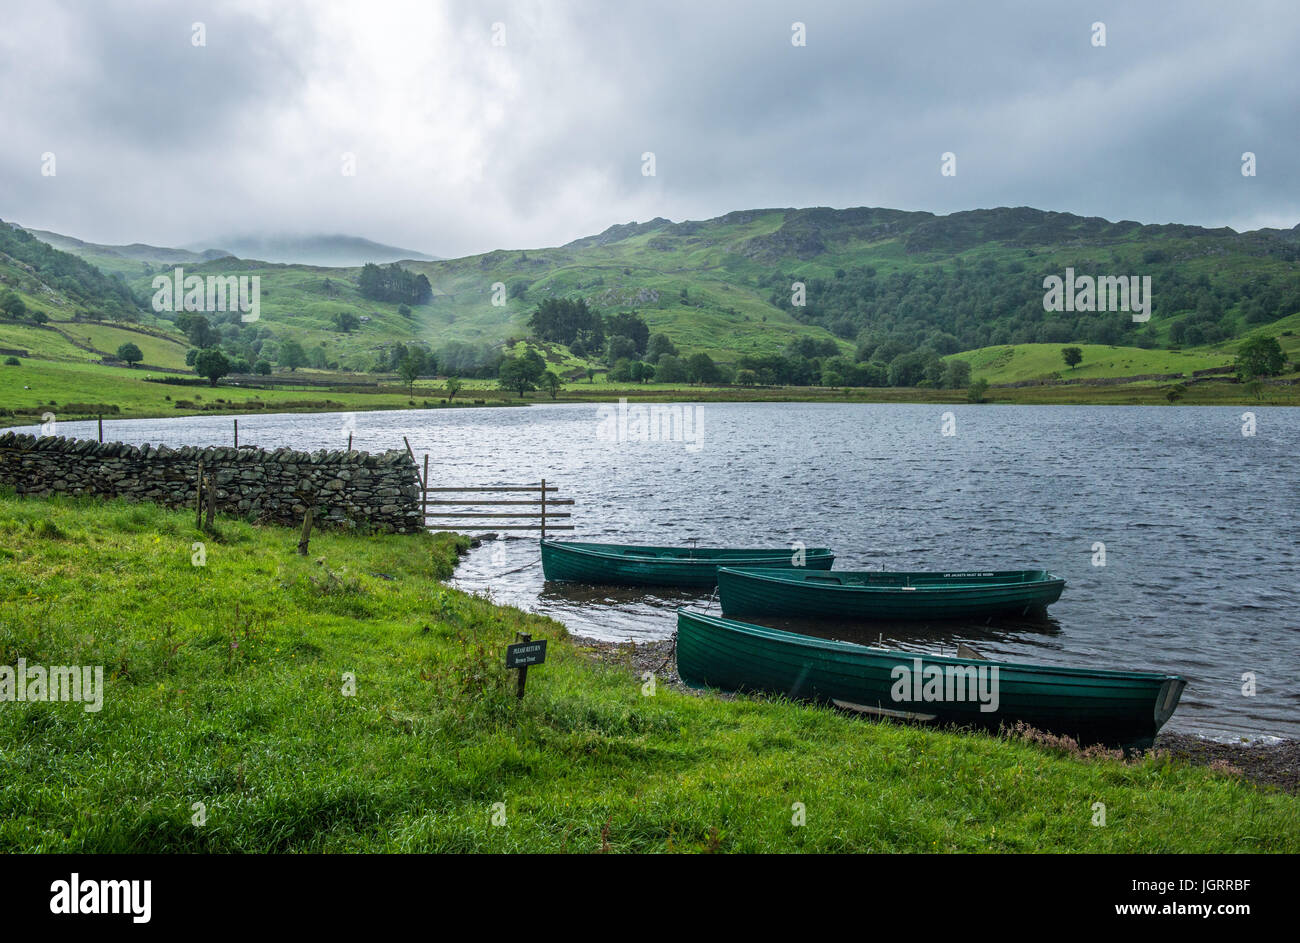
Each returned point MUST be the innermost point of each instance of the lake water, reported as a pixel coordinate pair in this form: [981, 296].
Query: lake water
[1199, 522]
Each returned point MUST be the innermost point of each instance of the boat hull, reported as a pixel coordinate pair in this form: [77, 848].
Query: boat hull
[629, 565]
[1091, 705]
[867, 596]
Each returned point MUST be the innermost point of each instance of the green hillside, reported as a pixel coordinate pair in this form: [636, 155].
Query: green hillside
[889, 296]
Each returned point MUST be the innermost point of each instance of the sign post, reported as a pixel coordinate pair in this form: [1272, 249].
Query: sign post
[523, 653]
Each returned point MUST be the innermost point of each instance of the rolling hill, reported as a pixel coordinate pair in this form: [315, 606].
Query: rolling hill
[878, 283]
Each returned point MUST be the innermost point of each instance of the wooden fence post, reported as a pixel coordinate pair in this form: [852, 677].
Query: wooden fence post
[198, 498]
[523, 669]
[306, 532]
[212, 502]
[101, 428]
[236, 433]
[543, 509]
[424, 491]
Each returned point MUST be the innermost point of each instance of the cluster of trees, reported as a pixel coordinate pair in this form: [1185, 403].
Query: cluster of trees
[84, 284]
[588, 333]
[393, 283]
[956, 305]
[224, 345]
[481, 361]
[635, 355]
[809, 362]
[671, 368]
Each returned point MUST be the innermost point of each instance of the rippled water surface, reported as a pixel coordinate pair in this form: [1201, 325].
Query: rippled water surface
[1200, 523]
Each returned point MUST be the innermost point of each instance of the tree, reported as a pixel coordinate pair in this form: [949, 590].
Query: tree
[211, 363]
[1175, 393]
[551, 383]
[631, 325]
[516, 375]
[201, 333]
[701, 369]
[1259, 357]
[909, 369]
[591, 374]
[12, 305]
[404, 310]
[565, 321]
[619, 348]
[746, 377]
[956, 375]
[670, 368]
[38, 316]
[534, 364]
[621, 371]
[262, 368]
[129, 353]
[1073, 356]
[975, 392]
[346, 321]
[659, 345]
[292, 355]
[452, 387]
[412, 365]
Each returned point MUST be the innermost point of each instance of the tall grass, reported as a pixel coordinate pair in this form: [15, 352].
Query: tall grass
[225, 704]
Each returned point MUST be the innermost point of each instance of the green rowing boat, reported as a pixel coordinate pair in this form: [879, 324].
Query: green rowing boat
[1124, 708]
[628, 565]
[868, 595]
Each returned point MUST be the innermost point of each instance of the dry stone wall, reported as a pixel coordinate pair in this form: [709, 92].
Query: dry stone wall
[346, 489]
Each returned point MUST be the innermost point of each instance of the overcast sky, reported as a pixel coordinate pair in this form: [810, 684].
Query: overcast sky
[462, 146]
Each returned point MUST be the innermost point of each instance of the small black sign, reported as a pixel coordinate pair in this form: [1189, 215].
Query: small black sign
[523, 654]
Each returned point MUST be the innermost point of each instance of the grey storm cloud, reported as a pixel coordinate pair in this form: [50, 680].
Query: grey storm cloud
[461, 145]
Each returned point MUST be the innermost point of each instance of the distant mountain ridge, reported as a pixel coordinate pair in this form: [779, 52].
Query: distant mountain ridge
[330, 251]
[136, 251]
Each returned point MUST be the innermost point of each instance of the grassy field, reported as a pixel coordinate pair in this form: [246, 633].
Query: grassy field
[76, 390]
[158, 351]
[1017, 362]
[35, 387]
[225, 704]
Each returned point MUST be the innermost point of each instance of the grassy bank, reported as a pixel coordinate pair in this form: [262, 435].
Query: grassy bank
[224, 686]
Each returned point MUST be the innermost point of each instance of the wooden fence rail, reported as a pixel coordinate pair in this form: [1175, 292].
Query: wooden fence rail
[536, 510]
